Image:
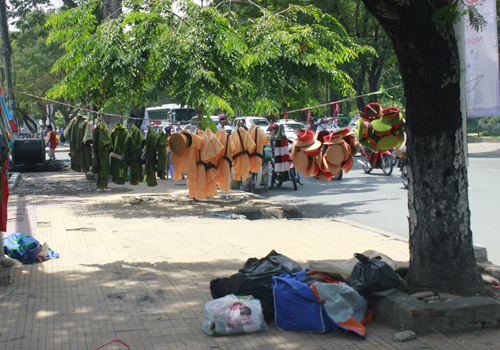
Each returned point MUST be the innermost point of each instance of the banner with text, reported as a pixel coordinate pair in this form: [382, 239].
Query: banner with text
[481, 63]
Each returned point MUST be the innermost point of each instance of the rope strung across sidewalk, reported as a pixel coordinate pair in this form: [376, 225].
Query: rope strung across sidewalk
[381, 91]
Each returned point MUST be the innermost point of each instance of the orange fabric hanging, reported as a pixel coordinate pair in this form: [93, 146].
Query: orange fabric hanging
[225, 160]
[185, 162]
[197, 180]
[244, 145]
[218, 147]
[262, 138]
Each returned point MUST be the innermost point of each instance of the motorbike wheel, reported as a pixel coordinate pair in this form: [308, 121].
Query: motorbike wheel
[366, 164]
[404, 175]
[293, 176]
[338, 177]
[387, 164]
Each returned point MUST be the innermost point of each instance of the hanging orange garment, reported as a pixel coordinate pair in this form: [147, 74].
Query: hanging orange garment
[185, 162]
[260, 138]
[224, 163]
[244, 145]
[218, 147]
[198, 185]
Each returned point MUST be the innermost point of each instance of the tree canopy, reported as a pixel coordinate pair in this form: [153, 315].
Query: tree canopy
[203, 56]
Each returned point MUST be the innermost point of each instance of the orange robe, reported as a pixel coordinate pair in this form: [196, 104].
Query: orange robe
[243, 145]
[218, 147]
[225, 161]
[260, 138]
[185, 162]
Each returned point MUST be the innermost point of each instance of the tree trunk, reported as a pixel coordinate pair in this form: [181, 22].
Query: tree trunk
[137, 113]
[69, 4]
[111, 8]
[7, 53]
[441, 249]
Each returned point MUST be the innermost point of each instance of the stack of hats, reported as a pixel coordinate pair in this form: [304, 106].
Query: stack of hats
[380, 130]
[307, 153]
[325, 154]
[338, 150]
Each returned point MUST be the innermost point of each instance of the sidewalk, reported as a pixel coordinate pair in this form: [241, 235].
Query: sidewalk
[138, 273]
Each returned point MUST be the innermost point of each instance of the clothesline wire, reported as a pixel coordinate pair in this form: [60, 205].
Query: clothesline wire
[86, 109]
[343, 100]
[69, 105]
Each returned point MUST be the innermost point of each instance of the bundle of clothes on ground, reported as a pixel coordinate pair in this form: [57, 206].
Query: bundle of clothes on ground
[326, 295]
[27, 249]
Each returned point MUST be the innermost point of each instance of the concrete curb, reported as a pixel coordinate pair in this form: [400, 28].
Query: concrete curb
[482, 139]
[407, 313]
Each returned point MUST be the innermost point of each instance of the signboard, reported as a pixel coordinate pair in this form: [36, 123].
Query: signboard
[481, 63]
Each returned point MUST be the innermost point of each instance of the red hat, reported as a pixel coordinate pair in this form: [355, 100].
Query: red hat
[222, 116]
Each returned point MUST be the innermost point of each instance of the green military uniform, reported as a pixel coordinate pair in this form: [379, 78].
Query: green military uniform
[151, 158]
[120, 140]
[102, 148]
[161, 146]
[138, 143]
[79, 136]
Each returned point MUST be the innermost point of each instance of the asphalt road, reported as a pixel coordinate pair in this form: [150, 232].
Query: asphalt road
[381, 202]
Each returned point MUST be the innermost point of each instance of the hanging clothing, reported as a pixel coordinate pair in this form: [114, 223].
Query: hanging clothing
[120, 156]
[161, 146]
[280, 148]
[136, 161]
[151, 151]
[79, 136]
[244, 146]
[102, 149]
[260, 138]
[218, 148]
[185, 162]
[225, 161]
[197, 180]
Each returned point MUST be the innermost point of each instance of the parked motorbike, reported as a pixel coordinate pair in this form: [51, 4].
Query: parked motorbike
[291, 175]
[381, 160]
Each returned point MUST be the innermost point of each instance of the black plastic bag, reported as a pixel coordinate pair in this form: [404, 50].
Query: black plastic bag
[255, 279]
[372, 275]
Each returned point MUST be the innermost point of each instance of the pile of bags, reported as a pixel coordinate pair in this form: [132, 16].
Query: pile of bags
[298, 299]
[324, 155]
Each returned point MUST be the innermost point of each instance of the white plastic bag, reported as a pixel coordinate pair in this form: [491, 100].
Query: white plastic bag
[233, 314]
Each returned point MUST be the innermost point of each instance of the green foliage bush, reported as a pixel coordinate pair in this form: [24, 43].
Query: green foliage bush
[488, 126]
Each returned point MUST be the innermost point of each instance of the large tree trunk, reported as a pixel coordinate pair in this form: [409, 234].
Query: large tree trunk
[441, 250]
[111, 8]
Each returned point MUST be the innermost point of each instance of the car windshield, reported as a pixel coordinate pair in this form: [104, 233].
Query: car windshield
[293, 126]
[259, 122]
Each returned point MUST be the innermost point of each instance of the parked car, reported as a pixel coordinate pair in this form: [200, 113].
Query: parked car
[249, 121]
[289, 127]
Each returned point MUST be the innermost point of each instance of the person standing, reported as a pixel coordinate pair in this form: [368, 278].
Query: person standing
[222, 121]
[52, 142]
[323, 126]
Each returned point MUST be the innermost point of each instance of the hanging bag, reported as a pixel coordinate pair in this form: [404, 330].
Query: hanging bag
[371, 275]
